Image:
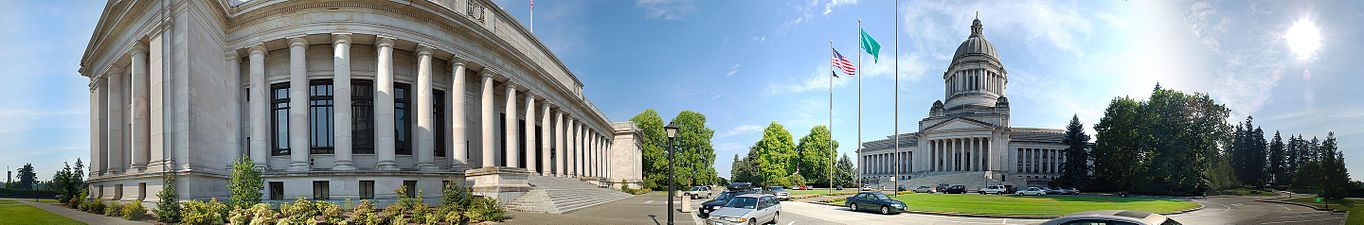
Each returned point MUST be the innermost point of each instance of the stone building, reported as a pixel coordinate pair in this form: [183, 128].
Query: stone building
[967, 139]
[339, 100]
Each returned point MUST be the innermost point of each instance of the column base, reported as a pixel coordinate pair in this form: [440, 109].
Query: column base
[343, 166]
[428, 167]
[502, 183]
[387, 165]
[298, 167]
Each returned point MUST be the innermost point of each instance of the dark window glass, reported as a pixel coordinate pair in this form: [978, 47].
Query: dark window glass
[276, 190]
[402, 120]
[279, 118]
[321, 117]
[366, 189]
[362, 117]
[438, 121]
[321, 190]
[411, 187]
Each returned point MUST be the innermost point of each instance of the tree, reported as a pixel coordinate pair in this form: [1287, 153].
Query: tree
[652, 140]
[741, 170]
[816, 156]
[27, 178]
[1276, 168]
[695, 160]
[1168, 144]
[1336, 178]
[775, 153]
[1119, 154]
[1075, 170]
[844, 172]
[168, 209]
[1248, 156]
[244, 184]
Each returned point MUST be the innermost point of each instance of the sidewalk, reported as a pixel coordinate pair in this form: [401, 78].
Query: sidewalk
[84, 217]
[643, 209]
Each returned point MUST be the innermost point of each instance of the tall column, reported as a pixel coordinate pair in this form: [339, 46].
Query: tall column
[140, 135]
[581, 149]
[234, 67]
[544, 140]
[115, 110]
[975, 154]
[259, 128]
[591, 153]
[426, 158]
[458, 137]
[101, 92]
[571, 148]
[512, 150]
[532, 163]
[486, 112]
[384, 144]
[96, 140]
[341, 94]
[298, 105]
[559, 143]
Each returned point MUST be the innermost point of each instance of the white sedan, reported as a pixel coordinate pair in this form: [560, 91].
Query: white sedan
[1034, 191]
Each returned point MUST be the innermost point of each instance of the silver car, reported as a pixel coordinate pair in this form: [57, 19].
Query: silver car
[1113, 217]
[748, 209]
[779, 192]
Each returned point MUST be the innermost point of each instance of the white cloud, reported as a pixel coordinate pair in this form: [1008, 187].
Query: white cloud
[805, 12]
[817, 80]
[667, 9]
[733, 70]
[746, 129]
[829, 6]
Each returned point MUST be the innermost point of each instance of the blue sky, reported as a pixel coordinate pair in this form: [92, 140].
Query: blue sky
[748, 63]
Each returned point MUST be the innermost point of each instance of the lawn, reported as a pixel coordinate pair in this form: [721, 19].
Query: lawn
[1348, 204]
[19, 213]
[1046, 206]
[822, 191]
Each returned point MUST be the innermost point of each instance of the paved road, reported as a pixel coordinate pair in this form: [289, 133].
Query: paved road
[651, 208]
[1217, 211]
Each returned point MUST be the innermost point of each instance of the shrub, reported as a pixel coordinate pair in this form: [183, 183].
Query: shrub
[201, 212]
[330, 212]
[634, 191]
[96, 206]
[364, 213]
[244, 184]
[76, 202]
[261, 214]
[239, 216]
[134, 210]
[300, 212]
[168, 209]
[485, 209]
[113, 209]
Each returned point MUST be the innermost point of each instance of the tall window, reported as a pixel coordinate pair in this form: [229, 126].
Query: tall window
[402, 120]
[362, 116]
[321, 190]
[320, 117]
[411, 187]
[366, 189]
[279, 118]
[276, 190]
[438, 125]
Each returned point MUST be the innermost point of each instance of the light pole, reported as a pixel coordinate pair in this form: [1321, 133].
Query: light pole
[672, 145]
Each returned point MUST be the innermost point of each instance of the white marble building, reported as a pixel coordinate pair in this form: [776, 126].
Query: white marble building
[336, 100]
[967, 139]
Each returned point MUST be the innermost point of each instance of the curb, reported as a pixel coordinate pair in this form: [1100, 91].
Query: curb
[1201, 206]
[1300, 204]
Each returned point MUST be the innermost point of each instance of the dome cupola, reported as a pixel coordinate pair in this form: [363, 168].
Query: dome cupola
[975, 77]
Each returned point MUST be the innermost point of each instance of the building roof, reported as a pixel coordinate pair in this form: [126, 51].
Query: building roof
[975, 44]
[1038, 135]
[906, 140]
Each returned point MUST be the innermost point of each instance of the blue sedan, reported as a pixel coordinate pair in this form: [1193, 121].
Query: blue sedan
[874, 201]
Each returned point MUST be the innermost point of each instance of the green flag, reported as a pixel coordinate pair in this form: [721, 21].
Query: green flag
[870, 46]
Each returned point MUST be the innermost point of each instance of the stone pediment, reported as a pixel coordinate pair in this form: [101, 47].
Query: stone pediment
[959, 123]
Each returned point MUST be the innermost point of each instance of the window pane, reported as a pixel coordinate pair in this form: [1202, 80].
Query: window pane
[320, 117]
[438, 121]
[402, 122]
[280, 118]
[362, 116]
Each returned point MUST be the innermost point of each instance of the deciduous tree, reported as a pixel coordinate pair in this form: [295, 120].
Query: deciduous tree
[816, 156]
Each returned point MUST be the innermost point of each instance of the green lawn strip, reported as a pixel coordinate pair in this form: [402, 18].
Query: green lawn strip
[25, 214]
[1006, 205]
[1356, 210]
[7, 202]
[821, 191]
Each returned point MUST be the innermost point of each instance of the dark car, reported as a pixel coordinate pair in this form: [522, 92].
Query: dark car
[955, 189]
[739, 186]
[719, 201]
[874, 201]
[941, 187]
[1009, 188]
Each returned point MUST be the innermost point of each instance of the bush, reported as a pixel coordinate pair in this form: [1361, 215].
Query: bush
[201, 212]
[244, 184]
[168, 209]
[239, 216]
[362, 212]
[261, 214]
[96, 206]
[27, 194]
[634, 191]
[330, 212]
[134, 211]
[299, 212]
[113, 209]
[76, 202]
[485, 209]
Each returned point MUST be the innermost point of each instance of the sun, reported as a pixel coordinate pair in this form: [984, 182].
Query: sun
[1304, 38]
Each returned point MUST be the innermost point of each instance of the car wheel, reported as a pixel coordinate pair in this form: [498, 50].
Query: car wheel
[852, 206]
[776, 218]
[885, 210]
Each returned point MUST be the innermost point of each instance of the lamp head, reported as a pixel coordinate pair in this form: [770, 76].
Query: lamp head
[671, 129]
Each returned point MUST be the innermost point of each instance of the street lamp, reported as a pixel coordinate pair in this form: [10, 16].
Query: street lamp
[672, 144]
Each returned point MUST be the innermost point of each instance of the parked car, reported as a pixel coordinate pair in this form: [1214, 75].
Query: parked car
[747, 209]
[698, 192]
[838, 187]
[1072, 191]
[924, 189]
[955, 189]
[1009, 188]
[1034, 191]
[868, 188]
[900, 188]
[1054, 190]
[739, 186]
[992, 189]
[1113, 217]
[874, 201]
[779, 192]
[941, 187]
[719, 201]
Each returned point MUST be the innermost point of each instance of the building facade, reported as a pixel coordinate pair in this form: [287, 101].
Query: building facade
[337, 100]
[967, 139]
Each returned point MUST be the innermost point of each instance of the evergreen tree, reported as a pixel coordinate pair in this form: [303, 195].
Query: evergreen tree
[1075, 170]
[245, 184]
[1119, 155]
[28, 179]
[168, 208]
[775, 152]
[1275, 168]
[652, 142]
[1248, 153]
[815, 156]
[844, 172]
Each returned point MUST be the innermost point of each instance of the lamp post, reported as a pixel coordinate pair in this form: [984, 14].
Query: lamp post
[672, 145]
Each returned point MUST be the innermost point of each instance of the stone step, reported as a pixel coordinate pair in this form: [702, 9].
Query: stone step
[557, 195]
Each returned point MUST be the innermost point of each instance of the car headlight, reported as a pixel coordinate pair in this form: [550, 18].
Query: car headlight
[735, 219]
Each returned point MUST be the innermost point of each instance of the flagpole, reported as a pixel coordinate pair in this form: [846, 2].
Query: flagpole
[896, 180]
[532, 16]
[861, 181]
[833, 153]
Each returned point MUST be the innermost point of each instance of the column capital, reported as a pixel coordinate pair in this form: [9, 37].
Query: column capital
[487, 72]
[297, 41]
[138, 48]
[231, 55]
[340, 38]
[457, 60]
[424, 50]
[384, 41]
[114, 70]
[510, 86]
[258, 49]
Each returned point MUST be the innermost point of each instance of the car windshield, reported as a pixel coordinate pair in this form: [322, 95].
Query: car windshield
[878, 196]
[742, 202]
[697, 189]
[774, 188]
[725, 196]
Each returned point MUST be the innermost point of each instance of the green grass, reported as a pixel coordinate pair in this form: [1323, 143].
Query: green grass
[1349, 204]
[1045, 206]
[1247, 192]
[821, 191]
[18, 213]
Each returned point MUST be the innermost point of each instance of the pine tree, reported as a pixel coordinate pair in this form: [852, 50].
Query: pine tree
[168, 209]
[844, 172]
[1075, 170]
[245, 184]
[28, 180]
[1275, 167]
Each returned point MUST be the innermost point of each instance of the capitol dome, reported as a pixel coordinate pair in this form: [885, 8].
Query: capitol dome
[975, 44]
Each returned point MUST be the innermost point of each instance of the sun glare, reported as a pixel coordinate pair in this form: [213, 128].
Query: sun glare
[1304, 39]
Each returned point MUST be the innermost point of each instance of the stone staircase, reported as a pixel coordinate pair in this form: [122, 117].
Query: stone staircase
[558, 195]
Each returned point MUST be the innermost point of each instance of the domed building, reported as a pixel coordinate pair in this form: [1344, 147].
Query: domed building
[342, 99]
[966, 138]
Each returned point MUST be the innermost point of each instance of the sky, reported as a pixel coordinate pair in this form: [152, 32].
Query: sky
[745, 64]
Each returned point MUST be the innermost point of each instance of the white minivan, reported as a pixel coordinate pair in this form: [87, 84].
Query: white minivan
[992, 189]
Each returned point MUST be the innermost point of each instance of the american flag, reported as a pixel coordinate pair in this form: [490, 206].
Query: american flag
[843, 64]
